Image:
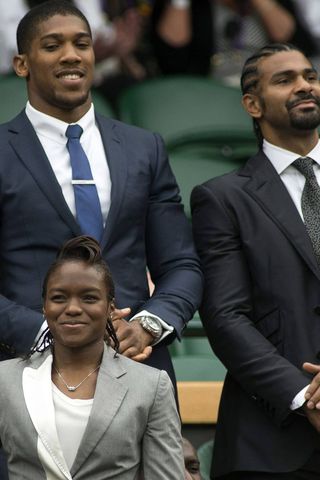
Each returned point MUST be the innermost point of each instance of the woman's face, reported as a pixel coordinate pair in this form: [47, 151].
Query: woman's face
[76, 305]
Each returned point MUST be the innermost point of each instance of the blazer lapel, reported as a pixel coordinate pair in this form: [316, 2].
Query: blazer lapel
[117, 162]
[108, 398]
[27, 146]
[266, 187]
[37, 391]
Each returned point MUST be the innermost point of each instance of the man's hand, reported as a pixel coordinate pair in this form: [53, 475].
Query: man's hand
[312, 394]
[313, 416]
[134, 340]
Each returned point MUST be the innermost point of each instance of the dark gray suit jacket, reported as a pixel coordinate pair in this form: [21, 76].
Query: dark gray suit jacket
[261, 311]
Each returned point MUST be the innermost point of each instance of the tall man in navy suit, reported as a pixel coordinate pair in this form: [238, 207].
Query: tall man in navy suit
[257, 232]
[144, 225]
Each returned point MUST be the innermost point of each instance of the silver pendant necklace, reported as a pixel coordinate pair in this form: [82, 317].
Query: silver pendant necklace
[73, 388]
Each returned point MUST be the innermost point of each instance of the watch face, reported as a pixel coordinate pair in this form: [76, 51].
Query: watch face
[151, 325]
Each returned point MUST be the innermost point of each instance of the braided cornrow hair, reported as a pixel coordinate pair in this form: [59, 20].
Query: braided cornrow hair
[84, 249]
[250, 75]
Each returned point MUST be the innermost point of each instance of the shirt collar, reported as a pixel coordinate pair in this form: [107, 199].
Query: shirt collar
[282, 159]
[55, 129]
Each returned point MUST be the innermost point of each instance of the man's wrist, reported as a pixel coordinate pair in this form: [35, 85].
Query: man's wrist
[151, 325]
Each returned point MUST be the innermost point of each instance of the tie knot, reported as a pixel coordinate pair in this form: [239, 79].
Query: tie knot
[74, 131]
[304, 165]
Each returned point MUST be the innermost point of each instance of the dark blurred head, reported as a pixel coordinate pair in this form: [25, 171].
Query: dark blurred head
[191, 461]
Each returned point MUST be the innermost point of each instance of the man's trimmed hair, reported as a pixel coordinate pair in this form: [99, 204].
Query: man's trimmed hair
[28, 26]
[250, 72]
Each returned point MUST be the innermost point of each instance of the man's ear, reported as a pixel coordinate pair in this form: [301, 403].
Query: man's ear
[252, 105]
[20, 65]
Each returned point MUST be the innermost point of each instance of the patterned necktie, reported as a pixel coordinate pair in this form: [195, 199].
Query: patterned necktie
[310, 202]
[88, 206]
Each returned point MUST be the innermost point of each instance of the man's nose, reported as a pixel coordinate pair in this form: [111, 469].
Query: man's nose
[70, 54]
[303, 85]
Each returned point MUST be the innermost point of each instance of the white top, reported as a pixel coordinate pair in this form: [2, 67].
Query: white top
[309, 11]
[11, 13]
[71, 420]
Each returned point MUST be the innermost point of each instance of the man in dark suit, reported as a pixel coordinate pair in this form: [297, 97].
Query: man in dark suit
[256, 233]
[143, 220]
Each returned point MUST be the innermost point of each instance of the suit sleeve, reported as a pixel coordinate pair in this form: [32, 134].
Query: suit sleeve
[227, 310]
[19, 327]
[162, 442]
[171, 256]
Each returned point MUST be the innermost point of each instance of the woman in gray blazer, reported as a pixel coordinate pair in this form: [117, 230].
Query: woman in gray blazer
[75, 408]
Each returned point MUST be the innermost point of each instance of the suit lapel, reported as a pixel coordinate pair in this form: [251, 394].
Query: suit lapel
[37, 391]
[27, 146]
[118, 167]
[266, 187]
[108, 398]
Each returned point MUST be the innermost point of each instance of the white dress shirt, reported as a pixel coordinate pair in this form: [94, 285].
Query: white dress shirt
[294, 182]
[52, 135]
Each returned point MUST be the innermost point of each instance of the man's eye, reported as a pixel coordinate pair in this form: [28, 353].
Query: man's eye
[83, 45]
[283, 81]
[51, 47]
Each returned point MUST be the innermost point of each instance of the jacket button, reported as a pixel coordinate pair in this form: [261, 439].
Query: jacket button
[317, 309]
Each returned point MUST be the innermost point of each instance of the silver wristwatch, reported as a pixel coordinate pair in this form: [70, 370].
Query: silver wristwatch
[151, 325]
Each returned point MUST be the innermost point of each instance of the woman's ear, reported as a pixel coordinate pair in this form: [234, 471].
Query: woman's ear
[111, 309]
[20, 65]
[252, 104]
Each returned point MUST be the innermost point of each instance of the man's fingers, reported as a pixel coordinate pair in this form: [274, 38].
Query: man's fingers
[311, 367]
[119, 313]
[312, 394]
[141, 357]
[129, 351]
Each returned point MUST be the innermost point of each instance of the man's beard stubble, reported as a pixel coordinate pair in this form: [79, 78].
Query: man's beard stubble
[309, 119]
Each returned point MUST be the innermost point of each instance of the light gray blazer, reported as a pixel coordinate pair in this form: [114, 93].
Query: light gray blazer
[133, 421]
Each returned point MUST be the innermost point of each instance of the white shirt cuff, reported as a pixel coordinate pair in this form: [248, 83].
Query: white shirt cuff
[166, 329]
[299, 399]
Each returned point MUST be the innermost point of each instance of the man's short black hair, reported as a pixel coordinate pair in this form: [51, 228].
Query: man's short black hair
[250, 75]
[28, 26]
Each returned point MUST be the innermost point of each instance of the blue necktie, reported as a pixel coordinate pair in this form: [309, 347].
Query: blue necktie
[88, 206]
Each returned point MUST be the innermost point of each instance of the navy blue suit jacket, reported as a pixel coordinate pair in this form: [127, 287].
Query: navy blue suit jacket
[146, 226]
